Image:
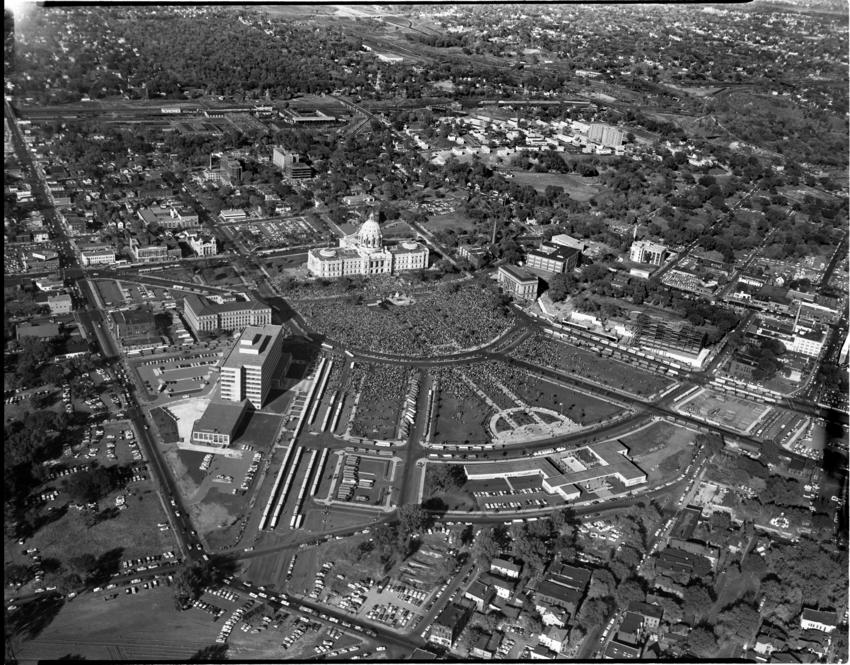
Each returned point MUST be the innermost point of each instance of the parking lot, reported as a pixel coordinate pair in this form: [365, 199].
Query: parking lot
[178, 374]
[283, 232]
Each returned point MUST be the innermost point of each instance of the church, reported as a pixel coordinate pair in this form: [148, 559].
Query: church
[364, 253]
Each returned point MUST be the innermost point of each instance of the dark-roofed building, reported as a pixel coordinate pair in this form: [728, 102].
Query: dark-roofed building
[686, 523]
[618, 651]
[650, 614]
[571, 576]
[631, 629]
[476, 256]
[220, 422]
[479, 594]
[554, 258]
[817, 620]
[422, 655]
[133, 323]
[518, 282]
[449, 624]
[549, 592]
[503, 588]
[484, 646]
[674, 560]
[707, 551]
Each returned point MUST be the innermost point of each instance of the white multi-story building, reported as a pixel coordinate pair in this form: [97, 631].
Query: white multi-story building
[364, 253]
[202, 245]
[96, 255]
[248, 370]
[645, 251]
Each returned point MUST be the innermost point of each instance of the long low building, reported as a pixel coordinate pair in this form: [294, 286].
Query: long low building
[202, 315]
[562, 477]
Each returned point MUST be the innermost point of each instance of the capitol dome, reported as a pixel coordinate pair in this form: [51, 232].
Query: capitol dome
[369, 235]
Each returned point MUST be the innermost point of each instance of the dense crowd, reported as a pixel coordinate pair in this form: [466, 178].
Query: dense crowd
[550, 353]
[380, 400]
[443, 320]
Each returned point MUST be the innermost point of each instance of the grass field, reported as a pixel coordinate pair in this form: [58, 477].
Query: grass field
[456, 221]
[661, 450]
[461, 421]
[166, 425]
[577, 187]
[134, 529]
[109, 292]
[576, 406]
[143, 627]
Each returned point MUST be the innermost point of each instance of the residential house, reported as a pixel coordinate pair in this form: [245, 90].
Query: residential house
[554, 638]
[651, 615]
[479, 594]
[505, 568]
[619, 651]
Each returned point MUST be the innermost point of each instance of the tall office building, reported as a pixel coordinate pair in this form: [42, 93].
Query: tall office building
[283, 158]
[605, 135]
[247, 372]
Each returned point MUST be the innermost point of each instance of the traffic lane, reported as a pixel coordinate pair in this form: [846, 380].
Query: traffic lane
[173, 507]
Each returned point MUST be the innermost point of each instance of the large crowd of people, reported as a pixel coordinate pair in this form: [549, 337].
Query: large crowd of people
[443, 320]
[381, 398]
[547, 352]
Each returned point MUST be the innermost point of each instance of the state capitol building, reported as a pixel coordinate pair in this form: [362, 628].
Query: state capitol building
[364, 253]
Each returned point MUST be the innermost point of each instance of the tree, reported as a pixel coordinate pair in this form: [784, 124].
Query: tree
[211, 654]
[602, 583]
[740, 621]
[412, 519]
[485, 548]
[702, 642]
[696, 600]
[594, 612]
[92, 485]
[629, 591]
[558, 287]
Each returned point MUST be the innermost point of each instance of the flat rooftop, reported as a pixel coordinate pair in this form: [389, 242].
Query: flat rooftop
[518, 273]
[221, 416]
[611, 455]
[253, 346]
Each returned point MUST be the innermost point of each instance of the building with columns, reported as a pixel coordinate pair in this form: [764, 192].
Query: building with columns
[364, 253]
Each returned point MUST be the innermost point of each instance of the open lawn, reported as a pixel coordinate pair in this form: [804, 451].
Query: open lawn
[576, 406]
[143, 627]
[452, 220]
[661, 450]
[166, 425]
[133, 529]
[109, 292]
[577, 187]
[463, 421]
